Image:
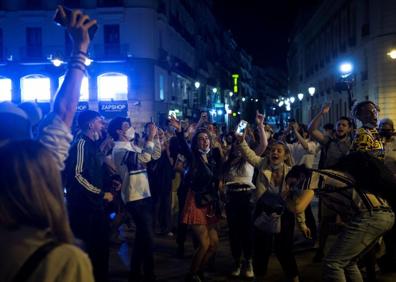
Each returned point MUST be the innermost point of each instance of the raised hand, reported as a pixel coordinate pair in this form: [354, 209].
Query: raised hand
[259, 118]
[325, 108]
[152, 130]
[173, 121]
[78, 25]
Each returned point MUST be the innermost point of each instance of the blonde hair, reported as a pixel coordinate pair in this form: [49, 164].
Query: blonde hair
[31, 189]
[288, 158]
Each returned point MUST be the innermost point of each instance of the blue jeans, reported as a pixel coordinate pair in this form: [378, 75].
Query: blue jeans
[142, 253]
[340, 264]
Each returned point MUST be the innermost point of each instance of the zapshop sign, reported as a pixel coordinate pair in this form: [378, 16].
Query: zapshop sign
[112, 109]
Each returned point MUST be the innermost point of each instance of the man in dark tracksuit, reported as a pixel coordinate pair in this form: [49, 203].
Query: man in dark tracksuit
[86, 196]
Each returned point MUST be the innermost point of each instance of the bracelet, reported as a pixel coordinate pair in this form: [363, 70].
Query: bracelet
[81, 53]
[77, 66]
[78, 63]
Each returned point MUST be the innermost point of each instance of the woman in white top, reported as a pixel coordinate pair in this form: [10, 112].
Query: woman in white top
[238, 175]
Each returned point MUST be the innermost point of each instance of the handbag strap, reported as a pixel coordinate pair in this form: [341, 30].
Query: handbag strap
[31, 264]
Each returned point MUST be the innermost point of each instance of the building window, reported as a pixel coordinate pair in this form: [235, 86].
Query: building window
[33, 42]
[36, 87]
[5, 89]
[84, 90]
[161, 87]
[111, 39]
[112, 86]
[2, 55]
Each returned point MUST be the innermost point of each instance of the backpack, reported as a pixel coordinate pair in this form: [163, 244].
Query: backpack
[370, 174]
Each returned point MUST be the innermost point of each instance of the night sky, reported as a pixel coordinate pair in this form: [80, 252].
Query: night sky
[262, 27]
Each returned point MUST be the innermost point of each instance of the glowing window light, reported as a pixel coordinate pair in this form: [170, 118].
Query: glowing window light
[112, 86]
[35, 87]
[84, 90]
[5, 89]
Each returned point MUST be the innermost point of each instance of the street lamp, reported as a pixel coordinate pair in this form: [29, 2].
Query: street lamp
[346, 69]
[57, 62]
[346, 80]
[392, 54]
[197, 84]
[300, 96]
[214, 90]
[292, 99]
[311, 90]
[231, 94]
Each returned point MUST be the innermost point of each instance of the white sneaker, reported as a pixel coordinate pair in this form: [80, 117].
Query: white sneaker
[248, 272]
[237, 270]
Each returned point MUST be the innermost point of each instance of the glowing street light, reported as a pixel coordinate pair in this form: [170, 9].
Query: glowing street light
[214, 90]
[300, 96]
[346, 69]
[231, 94]
[292, 99]
[197, 84]
[257, 100]
[88, 61]
[57, 62]
[243, 99]
[392, 54]
[280, 104]
[311, 90]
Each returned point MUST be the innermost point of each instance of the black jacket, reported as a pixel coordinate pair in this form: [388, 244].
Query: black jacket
[84, 175]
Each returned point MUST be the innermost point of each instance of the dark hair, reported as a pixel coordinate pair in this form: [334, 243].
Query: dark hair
[116, 124]
[358, 106]
[234, 160]
[85, 117]
[194, 140]
[329, 126]
[350, 123]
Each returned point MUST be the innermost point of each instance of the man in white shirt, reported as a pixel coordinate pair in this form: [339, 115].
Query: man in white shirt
[130, 161]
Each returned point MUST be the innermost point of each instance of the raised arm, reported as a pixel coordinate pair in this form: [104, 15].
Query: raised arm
[263, 143]
[66, 100]
[313, 127]
[300, 139]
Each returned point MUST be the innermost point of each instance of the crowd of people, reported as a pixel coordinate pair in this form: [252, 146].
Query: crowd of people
[186, 178]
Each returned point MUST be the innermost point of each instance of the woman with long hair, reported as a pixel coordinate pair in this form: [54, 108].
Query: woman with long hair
[33, 219]
[201, 210]
[274, 224]
[239, 188]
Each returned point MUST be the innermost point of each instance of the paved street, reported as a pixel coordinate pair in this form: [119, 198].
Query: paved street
[170, 268]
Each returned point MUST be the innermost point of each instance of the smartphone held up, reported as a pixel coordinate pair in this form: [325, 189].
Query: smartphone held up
[240, 130]
[62, 20]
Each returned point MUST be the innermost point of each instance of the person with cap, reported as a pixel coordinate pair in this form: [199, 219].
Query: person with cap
[54, 131]
[130, 161]
[85, 193]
